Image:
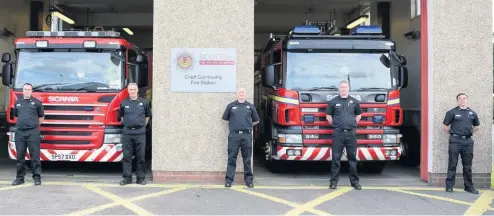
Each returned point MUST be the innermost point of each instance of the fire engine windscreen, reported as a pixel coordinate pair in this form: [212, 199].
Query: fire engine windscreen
[70, 71]
[313, 70]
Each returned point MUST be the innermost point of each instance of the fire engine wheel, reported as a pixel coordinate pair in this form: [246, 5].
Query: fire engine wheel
[274, 166]
[376, 167]
[410, 145]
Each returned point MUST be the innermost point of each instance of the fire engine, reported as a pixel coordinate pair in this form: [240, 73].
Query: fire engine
[80, 77]
[297, 74]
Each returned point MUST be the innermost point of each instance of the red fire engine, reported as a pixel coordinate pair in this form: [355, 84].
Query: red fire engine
[80, 77]
[297, 74]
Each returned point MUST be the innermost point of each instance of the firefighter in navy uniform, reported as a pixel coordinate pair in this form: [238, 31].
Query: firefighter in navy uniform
[29, 112]
[461, 122]
[343, 113]
[242, 116]
[135, 112]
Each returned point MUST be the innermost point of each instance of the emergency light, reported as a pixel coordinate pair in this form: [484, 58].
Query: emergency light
[306, 29]
[86, 34]
[367, 30]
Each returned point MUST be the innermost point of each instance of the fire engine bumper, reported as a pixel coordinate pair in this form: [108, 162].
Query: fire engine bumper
[106, 153]
[324, 154]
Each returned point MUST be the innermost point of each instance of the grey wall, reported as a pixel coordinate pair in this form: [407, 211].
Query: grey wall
[188, 133]
[460, 61]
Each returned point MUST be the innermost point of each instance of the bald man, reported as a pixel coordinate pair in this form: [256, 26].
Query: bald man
[242, 116]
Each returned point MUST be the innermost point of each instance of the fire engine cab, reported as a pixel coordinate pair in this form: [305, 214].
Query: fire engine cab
[80, 77]
[297, 74]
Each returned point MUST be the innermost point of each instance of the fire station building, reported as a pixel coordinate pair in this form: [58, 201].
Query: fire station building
[448, 45]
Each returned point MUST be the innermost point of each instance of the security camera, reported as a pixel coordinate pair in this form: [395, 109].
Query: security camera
[412, 35]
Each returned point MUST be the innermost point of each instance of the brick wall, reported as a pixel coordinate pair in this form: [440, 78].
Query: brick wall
[194, 177]
[480, 180]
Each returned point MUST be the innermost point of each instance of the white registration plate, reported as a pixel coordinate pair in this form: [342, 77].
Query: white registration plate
[62, 156]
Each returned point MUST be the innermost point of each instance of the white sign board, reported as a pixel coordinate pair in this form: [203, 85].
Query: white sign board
[203, 70]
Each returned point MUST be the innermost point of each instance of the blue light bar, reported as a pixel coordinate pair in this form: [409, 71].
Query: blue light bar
[307, 29]
[366, 30]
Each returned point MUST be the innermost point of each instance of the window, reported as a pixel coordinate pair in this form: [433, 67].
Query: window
[312, 70]
[132, 61]
[70, 71]
[415, 8]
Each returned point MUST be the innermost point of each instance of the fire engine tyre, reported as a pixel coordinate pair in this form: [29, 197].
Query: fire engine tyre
[276, 166]
[376, 167]
[410, 147]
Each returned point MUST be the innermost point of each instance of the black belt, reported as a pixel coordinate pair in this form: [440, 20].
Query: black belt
[241, 131]
[134, 127]
[461, 136]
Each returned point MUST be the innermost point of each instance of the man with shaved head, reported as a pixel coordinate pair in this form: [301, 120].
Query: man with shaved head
[135, 113]
[242, 116]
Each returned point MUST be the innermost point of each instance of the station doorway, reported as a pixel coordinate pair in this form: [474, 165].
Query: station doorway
[400, 21]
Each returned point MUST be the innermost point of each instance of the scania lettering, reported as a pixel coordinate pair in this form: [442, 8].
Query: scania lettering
[298, 73]
[80, 77]
[330, 97]
[63, 99]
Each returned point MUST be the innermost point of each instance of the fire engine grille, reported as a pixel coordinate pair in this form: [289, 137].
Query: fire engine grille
[69, 117]
[64, 125]
[68, 108]
[329, 136]
[69, 142]
[66, 133]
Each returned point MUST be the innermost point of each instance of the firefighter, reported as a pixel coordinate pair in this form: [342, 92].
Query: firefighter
[343, 113]
[29, 112]
[461, 122]
[135, 112]
[242, 116]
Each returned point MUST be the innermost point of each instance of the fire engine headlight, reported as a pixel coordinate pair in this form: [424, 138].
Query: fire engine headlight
[290, 138]
[294, 152]
[113, 138]
[89, 44]
[391, 152]
[41, 43]
[390, 138]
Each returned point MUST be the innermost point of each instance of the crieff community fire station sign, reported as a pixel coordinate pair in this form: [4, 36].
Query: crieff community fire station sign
[203, 70]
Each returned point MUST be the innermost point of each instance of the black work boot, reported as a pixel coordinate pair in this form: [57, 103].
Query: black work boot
[332, 186]
[228, 184]
[37, 181]
[18, 182]
[357, 186]
[126, 181]
[141, 181]
[250, 185]
[449, 189]
[472, 190]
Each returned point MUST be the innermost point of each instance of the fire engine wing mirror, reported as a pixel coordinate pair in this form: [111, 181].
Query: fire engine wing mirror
[268, 77]
[141, 75]
[140, 59]
[403, 76]
[6, 57]
[6, 74]
[403, 60]
[385, 60]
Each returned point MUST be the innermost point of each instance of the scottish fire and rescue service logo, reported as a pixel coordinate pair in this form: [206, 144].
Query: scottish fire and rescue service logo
[184, 61]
